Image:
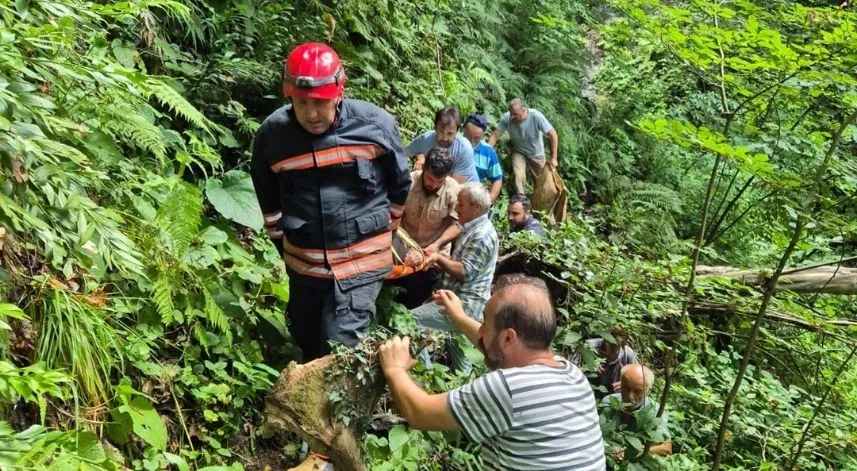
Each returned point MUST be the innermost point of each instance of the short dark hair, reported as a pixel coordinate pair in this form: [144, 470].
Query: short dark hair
[525, 202]
[447, 115]
[534, 322]
[439, 161]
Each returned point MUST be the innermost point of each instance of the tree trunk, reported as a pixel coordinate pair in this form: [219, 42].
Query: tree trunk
[827, 279]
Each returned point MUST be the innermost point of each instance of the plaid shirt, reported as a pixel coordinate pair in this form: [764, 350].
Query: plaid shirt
[477, 248]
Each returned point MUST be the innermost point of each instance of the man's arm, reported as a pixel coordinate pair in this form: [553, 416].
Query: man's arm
[494, 191]
[452, 231]
[396, 175]
[554, 137]
[453, 309]
[454, 268]
[267, 191]
[495, 136]
[422, 411]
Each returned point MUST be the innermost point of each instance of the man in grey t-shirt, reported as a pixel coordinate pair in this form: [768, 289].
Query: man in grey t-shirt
[527, 128]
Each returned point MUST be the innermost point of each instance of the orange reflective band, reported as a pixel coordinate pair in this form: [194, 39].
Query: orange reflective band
[347, 269]
[364, 264]
[328, 157]
[344, 254]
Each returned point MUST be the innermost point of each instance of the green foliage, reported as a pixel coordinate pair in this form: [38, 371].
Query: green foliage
[234, 198]
[77, 336]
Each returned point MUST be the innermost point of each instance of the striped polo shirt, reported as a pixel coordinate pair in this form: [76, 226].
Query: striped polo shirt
[535, 417]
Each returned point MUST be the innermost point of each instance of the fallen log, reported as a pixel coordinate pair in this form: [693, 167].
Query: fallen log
[300, 403]
[829, 325]
[824, 279]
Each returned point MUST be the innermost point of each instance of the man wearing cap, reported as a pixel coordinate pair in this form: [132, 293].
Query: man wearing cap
[484, 156]
[331, 178]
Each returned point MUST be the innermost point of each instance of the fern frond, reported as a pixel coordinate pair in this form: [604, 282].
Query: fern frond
[215, 316]
[162, 295]
[169, 97]
[179, 216]
[123, 122]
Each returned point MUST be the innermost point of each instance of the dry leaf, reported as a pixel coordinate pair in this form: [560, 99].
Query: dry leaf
[19, 171]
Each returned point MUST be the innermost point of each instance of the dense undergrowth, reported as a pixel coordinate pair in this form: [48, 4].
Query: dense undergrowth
[141, 313]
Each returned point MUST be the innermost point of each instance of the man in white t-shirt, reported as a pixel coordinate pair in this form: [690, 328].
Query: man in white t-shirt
[527, 128]
[533, 411]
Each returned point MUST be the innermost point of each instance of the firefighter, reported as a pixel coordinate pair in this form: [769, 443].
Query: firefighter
[331, 178]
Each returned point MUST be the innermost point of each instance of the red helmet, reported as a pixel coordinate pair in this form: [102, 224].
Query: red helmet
[313, 70]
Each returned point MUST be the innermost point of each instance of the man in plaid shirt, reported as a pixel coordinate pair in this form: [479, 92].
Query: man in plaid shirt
[470, 270]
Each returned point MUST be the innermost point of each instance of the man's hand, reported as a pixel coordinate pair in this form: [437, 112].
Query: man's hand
[617, 386]
[554, 163]
[431, 260]
[419, 161]
[396, 355]
[431, 248]
[450, 304]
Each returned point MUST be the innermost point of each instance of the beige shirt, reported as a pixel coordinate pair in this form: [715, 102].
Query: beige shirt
[425, 214]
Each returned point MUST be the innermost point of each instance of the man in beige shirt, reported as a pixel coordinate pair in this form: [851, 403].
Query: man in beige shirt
[431, 219]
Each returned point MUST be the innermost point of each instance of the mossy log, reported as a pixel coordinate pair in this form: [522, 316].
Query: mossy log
[299, 402]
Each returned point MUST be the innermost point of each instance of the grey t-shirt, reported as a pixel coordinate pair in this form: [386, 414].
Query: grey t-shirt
[527, 136]
[461, 151]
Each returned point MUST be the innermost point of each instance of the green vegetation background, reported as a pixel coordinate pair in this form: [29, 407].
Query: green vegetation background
[142, 311]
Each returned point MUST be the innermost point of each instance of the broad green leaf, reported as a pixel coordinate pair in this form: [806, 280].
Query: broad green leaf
[234, 198]
[213, 236]
[398, 437]
[145, 422]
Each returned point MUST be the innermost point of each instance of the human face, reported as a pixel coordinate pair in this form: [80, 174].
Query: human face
[489, 340]
[633, 389]
[473, 133]
[517, 113]
[431, 182]
[445, 134]
[517, 216]
[466, 211]
[314, 114]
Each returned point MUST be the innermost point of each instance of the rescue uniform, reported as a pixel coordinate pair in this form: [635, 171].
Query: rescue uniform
[330, 203]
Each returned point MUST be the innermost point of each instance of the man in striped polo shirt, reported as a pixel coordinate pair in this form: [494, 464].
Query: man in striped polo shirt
[533, 411]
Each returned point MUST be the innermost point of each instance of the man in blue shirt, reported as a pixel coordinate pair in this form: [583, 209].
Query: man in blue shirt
[485, 157]
[445, 134]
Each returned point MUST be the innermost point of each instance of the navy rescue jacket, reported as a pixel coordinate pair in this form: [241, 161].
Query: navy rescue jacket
[331, 201]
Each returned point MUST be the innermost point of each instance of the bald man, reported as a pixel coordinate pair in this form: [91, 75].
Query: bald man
[633, 401]
[533, 411]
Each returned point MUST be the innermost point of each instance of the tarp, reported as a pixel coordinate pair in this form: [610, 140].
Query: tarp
[550, 195]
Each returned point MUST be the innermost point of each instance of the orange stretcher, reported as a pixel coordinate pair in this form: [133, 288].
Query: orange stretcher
[402, 244]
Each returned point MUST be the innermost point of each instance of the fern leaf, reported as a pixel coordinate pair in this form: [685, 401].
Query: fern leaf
[215, 316]
[163, 296]
[179, 216]
[169, 97]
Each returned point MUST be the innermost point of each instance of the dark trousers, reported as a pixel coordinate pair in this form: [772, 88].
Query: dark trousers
[418, 288]
[319, 311]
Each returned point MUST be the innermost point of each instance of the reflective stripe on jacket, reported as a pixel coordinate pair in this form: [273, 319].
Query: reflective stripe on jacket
[332, 200]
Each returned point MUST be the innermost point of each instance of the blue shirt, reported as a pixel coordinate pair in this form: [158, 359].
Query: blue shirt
[487, 163]
[461, 151]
